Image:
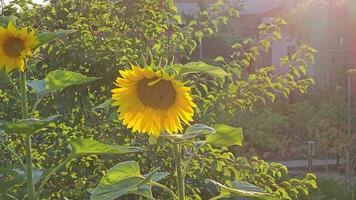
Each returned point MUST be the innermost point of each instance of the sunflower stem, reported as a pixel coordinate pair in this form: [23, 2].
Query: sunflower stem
[177, 148]
[24, 110]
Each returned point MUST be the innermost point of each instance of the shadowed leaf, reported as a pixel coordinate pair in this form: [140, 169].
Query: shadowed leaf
[27, 126]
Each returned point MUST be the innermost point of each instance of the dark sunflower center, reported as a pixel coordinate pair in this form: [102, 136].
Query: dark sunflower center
[160, 95]
[13, 47]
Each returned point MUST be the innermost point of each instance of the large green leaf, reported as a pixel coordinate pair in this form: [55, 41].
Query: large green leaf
[82, 147]
[120, 179]
[225, 136]
[60, 79]
[57, 80]
[46, 37]
[190, 134]
[125, 178]
[199, 68]
[146, 189]
[242, 189]
[27, 126]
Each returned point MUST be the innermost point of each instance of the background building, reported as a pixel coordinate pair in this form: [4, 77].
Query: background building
[329, 26]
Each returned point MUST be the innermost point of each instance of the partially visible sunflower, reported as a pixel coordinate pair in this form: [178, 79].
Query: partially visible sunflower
[15, 47]
[152, 101]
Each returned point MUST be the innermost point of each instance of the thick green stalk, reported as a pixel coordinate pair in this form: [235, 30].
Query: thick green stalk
[24, 110]
[180, 176]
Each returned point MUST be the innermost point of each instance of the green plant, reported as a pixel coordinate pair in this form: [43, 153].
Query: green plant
[28, 126]
[106, 40]
[330, 188]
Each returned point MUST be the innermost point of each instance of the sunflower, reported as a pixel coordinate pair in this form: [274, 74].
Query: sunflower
[15, 46]
[152, 101]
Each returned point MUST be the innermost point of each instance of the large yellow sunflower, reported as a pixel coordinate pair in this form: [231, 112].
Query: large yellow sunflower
[15, 46]
[152, 101]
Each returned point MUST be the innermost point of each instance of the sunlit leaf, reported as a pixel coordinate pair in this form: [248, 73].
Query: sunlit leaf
[190, 134]
[241, 185]
[60, 79]
[125, 178]
[46, 37]
[242, 189]
[199, 128]
[200, 68]
[115, 190]
[219, 59]
[27, 126]
[81, 147]
[225, 136]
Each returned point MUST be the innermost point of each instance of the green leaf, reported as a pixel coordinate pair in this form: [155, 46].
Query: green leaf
[125, 178]
[219, 59]
[241, 185]
[46, 37]
[200, 68]
[82, 147]
[244, 191]
[190, 134]
[118, 181]
[145, 190]
[199, 128]
[199, 35]
[60, 79]
[178, 18]
[225, 136]
[39, 86]
[27, 126]
[105, 104]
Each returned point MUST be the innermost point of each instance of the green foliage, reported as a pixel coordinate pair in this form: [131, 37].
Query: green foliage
[225, 136]
[57, 80]
[270, 177]
[264, 128]
[242, 189]
[125, 178]
[331, 188]
[110, 36]
[200, 68]
[83, 147]
[27, 126]
[45, 37]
